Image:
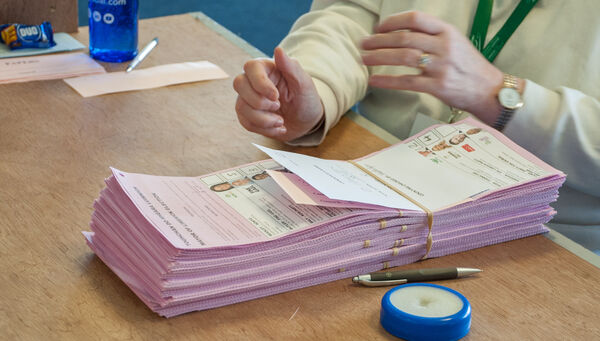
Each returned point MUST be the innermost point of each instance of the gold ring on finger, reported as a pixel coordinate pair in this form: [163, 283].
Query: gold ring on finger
[424, 60]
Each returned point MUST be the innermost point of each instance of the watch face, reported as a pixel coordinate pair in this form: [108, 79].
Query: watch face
[510, 98]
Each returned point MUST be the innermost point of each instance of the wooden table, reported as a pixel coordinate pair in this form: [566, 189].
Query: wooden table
[55, 150]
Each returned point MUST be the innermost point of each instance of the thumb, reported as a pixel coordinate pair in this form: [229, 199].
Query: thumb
[289, 68]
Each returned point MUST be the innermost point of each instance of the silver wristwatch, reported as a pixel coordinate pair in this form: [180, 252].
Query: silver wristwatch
[510, 99]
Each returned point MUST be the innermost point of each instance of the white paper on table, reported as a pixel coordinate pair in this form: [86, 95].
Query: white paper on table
[340, 180]
[44, 67]
[152, 77]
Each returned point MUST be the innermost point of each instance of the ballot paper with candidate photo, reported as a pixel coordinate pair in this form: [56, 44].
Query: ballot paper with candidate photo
[192, 243]
[444, 166]
[231, 207]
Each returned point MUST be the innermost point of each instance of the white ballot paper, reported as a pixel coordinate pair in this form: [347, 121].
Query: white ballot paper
[45, 67]
[339, 180]
[448, 165]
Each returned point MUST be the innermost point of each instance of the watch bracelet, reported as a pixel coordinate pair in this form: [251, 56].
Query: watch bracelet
[509, 81]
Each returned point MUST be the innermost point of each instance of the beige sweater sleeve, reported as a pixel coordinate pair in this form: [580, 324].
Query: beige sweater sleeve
[561, 127]
[325, 42]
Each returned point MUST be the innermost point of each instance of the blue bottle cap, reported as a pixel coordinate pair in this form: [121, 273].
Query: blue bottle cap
[423, 311]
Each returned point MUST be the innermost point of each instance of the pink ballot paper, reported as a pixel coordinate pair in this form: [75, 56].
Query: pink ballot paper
[192, 243]
[152, 77]
[43, 67]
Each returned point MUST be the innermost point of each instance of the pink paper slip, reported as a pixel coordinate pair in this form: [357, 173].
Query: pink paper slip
[148, 78]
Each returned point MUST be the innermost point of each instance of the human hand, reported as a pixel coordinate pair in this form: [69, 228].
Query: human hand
[277, 98]
[457, 74]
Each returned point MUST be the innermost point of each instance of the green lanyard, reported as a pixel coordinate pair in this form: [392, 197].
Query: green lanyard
[482, 21]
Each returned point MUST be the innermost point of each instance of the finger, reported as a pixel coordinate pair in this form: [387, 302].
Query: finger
[403, 39]
[241, 84]
[254, 120]
[394, 56]
[414, 21]
[404, 82]
[274, 132]
[291, 69]
[257, 72]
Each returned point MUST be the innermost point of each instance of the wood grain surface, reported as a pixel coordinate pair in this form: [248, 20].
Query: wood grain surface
[55, 150]
[62, 14]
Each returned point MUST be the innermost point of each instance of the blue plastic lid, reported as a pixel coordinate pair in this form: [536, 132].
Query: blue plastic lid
[423, 311]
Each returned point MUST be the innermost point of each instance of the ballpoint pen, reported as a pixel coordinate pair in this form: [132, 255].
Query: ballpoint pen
[378, 279]
[145, 51]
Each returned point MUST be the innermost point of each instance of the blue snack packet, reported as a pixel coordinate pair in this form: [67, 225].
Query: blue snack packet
[18, 36]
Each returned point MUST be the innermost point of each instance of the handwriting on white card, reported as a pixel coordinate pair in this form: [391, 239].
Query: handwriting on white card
[55, 66]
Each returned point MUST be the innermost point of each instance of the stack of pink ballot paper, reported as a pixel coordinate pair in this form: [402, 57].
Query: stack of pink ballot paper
[192, 243]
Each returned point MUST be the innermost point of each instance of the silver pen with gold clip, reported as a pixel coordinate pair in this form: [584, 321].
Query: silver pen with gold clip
[379, 279]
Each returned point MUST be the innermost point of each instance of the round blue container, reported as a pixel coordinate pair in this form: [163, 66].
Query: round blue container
[415, 328]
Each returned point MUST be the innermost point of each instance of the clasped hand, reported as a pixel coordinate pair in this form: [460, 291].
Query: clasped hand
[457, 74]
[278, 99]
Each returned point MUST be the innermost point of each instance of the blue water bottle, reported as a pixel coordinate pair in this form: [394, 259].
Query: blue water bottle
[113, 29]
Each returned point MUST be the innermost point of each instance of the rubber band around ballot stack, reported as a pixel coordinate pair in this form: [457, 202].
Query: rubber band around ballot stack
[427, 210]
